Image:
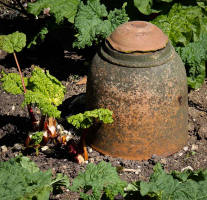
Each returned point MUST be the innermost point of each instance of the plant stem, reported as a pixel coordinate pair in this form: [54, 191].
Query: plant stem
[20, 73]
[83, 143]
[29, 108]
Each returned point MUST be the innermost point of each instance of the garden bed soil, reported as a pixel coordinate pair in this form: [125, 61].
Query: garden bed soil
[69, 67]
[15, 125]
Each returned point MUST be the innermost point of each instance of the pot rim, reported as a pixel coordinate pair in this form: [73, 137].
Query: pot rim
[137, 59]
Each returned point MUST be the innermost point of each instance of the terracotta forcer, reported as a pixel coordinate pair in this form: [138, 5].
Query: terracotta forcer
[146, 89]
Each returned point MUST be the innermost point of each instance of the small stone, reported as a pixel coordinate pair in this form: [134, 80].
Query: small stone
[64, 166]
[16, 154]
[137, 171]
[191, 127]
[44, 148]
[90, 149]
[17, 147]
[67, 133]
[146, 163]
[3, 54]
[180, 154]
[186, 168]
[194, 147]
[59, 127]
[163, 161]
[86, 162]
[13, 108]
[185, 148]
[91, 160]
[98, 158]
[4, 149]
[80, 159]
[202, 132]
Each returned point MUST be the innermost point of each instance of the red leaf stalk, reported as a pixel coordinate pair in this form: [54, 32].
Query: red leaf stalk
[31, 113]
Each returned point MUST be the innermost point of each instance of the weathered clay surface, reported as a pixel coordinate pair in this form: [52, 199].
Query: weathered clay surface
[149, 105]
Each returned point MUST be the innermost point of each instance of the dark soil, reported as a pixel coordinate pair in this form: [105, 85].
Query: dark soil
[69, 66]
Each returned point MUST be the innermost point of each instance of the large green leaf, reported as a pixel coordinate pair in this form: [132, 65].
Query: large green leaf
[93, 23]
[21, 179]
[60, 9]
[43, 90]
[186, 185]
[98, 178]
[13, 42]
[145, 6]
[183, 24]
[194, 55]
[86, 119]
[11, 83]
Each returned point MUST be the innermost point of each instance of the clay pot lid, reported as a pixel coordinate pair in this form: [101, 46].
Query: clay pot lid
[137, 36]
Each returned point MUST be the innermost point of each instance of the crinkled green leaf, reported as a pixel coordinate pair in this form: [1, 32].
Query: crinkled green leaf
[183, 24]
[11, 83]
[60, 180]
[86, 119]
[98, 178]
[26, 163]
[161, 184]
[21, 179]
[13, 42]
[36, 138]
[47, 85]
[45, 92]
[197, 76]
[187, 185]
[42, 102]
[194, 56]
[93, 23]
[17, 182]
[145, 7]
[202, 4]
[60, 9]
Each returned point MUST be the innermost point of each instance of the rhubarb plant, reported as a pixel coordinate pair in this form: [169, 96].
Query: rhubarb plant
[93, 22]
[98, 180]
[21, 179]
[43, 90]
[84, 121]
[174, 185]
[13, 43]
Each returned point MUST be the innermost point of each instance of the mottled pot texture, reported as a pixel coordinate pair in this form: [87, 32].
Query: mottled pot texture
[147, 93]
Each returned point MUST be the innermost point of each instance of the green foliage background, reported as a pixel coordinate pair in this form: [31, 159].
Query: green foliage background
[183, 21]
